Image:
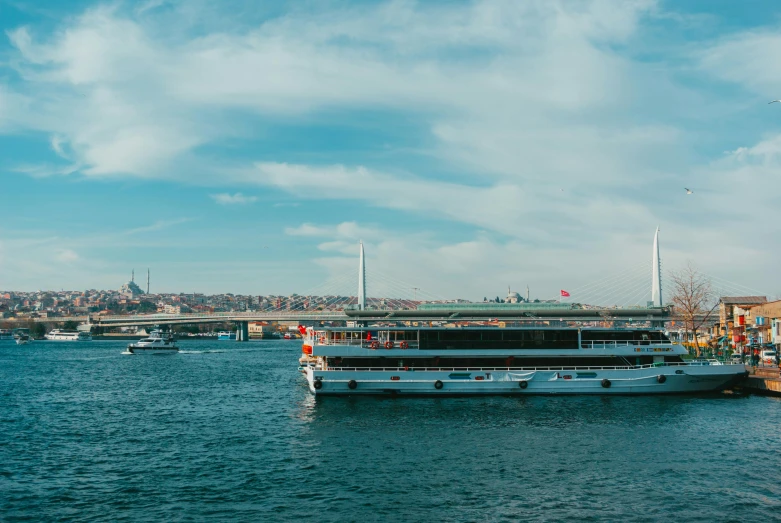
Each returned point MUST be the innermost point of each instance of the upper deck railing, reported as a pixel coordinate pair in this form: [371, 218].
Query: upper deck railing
[563, 368]
[414, 344]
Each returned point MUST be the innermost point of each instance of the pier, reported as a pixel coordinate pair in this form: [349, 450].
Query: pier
[763, 380]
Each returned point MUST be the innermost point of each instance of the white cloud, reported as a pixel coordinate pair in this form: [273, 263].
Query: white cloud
[130, 100]
[233, 199]
[66, 256]
[746, 58]
[57, 143]
[156, 226]
[507, 208]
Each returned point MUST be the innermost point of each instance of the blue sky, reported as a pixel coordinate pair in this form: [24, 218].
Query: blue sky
[246, 147]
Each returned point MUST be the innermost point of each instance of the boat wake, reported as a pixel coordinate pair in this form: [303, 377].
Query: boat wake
[201, 351]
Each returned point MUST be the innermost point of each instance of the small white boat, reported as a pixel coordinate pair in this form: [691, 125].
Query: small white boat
[154, 344]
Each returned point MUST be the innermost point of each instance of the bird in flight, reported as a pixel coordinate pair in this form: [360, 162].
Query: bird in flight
[774, 101]
[688, 191]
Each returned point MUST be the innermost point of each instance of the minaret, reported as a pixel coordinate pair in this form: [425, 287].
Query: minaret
[147, 280]
[656, 274]
[361, 281]
[527, 293]
[133, 275]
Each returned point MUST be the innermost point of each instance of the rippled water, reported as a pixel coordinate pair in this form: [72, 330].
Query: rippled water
[228, 430]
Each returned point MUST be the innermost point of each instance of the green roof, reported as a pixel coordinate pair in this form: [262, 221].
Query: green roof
[489, 306]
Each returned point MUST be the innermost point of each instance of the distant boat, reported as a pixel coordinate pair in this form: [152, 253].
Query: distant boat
[226, 336]
[68, 335]
[154, 344]
[6, 334]
[22, 336]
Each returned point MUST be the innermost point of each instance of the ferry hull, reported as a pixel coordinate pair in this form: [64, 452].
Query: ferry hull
[152, 350]
[661, 380]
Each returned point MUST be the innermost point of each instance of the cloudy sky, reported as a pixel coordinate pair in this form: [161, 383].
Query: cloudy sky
[247, 146]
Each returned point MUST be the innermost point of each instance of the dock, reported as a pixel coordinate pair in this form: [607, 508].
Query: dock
[763, 380]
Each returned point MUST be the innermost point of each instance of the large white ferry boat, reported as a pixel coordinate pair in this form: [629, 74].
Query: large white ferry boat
[68, 335]
[491, 360]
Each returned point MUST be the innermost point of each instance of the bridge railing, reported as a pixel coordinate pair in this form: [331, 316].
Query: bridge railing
[227, 316]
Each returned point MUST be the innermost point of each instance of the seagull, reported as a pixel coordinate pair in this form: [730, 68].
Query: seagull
[774, 101]
[688, 191]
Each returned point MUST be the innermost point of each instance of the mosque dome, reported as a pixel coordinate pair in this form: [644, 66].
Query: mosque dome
[131, 289]
[513, 297]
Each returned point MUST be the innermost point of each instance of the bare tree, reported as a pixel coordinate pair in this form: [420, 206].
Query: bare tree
[693, 299]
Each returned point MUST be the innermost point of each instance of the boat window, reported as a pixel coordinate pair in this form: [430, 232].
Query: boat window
[453, 339]
[489, 362]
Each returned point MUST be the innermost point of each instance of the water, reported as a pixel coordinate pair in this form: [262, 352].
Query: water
[228, 431]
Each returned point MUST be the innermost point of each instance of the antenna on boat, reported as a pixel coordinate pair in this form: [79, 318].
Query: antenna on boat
[361, 281]
[656, 274]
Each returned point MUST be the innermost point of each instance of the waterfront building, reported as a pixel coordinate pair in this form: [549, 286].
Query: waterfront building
[764, 323]
[733, 311]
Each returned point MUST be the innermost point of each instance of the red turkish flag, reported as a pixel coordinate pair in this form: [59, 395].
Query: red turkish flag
[564, 294]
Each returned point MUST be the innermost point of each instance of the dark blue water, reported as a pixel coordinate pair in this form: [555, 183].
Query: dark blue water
[228, 431]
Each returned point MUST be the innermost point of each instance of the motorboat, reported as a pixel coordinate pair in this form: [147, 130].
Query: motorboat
[154, 344]
[226, 336]
[22, 336]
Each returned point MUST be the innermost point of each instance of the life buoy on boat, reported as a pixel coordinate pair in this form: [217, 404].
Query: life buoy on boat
[352, 384]
[661, 378]
[523, 384]
[404, 345]
[606, 383]
[375, 345]
[388, 344]
[318, 384]
[438, 384]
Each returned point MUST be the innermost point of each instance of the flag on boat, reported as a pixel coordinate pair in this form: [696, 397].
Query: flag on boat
[302, 330]
[564, 294]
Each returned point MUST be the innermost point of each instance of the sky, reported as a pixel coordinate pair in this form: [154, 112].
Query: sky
[247, 146]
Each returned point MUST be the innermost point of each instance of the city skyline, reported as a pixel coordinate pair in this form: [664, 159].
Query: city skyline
[248, 148]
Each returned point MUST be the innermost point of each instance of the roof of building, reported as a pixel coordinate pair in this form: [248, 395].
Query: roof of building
[743, 300]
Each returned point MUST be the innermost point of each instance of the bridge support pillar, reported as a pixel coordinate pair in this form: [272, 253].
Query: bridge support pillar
[242, 331]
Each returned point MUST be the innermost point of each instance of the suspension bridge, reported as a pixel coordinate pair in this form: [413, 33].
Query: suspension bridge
[622, 296]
